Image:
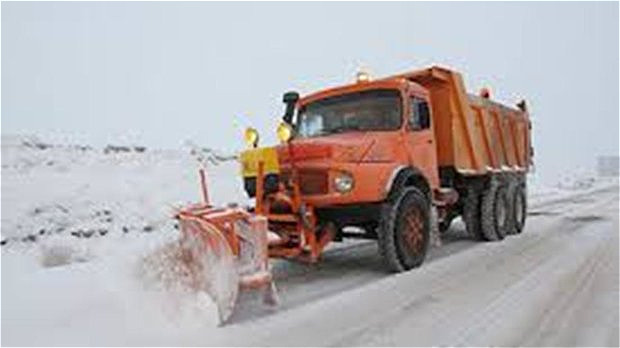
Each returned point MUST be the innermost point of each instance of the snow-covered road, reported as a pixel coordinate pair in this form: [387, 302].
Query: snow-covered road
[554, 284]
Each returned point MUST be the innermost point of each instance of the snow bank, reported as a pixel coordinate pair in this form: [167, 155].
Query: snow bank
[78, 225]
[86, 192]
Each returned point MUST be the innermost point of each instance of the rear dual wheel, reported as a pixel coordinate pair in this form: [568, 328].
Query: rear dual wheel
[520, 208]
[485, 209]
[471, 211]
[495, 211]
[517, 200]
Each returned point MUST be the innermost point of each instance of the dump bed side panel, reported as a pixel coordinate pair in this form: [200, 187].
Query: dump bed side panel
[474, 135]
[505, 132]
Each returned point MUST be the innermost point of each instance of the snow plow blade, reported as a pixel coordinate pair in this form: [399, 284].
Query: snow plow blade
[225, 250]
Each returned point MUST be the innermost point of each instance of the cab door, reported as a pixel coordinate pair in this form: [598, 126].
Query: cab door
[421, 138]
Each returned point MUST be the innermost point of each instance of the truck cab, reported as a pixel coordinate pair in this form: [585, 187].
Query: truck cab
[349, 144]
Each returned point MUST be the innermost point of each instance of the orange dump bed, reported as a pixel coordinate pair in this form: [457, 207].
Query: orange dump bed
[474, 134]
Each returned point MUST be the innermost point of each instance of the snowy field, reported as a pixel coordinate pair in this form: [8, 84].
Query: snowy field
[77, 222]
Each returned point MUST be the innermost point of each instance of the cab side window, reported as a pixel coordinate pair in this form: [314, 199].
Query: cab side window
[420, 117]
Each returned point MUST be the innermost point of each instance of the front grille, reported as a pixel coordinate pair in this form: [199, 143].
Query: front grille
[313, 182]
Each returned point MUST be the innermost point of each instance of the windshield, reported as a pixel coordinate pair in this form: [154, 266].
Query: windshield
[375, 110]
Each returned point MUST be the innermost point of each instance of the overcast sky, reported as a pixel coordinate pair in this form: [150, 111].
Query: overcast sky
[159, 73]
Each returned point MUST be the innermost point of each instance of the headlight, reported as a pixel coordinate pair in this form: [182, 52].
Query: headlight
[343, 182]
[251, 137]
[284, 132]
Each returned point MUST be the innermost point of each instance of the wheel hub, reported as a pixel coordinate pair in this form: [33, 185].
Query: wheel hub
[413, 229]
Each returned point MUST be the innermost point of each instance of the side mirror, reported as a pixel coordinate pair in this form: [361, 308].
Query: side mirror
[290, 99]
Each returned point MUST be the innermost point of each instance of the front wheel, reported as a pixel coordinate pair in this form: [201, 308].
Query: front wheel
[405, 230]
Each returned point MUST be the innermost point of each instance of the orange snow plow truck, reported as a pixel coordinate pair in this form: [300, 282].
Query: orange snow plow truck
[394, 159]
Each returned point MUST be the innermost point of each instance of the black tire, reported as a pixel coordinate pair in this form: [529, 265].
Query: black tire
[520, 208]
[494, 211]
[511, 192]
[404, 230]
[471, 213]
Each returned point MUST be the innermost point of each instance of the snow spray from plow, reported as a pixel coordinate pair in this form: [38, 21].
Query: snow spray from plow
[225, 250]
